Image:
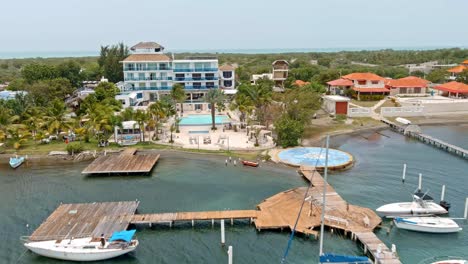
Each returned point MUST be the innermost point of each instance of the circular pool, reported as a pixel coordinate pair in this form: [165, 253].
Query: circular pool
[314, 156]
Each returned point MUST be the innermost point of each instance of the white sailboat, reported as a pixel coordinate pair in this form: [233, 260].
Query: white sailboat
[427, 224]
[86, 249]
[329, 258]
[418, 207]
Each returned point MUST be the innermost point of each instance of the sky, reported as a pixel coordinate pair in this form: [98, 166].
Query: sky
[85, 25]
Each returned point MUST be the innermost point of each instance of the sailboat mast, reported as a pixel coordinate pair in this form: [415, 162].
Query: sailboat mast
[322, 219]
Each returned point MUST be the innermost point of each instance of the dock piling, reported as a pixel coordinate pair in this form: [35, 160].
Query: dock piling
[420, 182]
[229, 255]
[404, 173]
[222, 233]
[465, 215]
[442, 195]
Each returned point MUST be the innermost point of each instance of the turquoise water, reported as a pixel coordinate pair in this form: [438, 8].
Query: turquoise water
[202, 120]
[308, 156]
[194, 182]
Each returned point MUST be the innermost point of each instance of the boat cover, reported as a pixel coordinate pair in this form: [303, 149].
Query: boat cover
[332, 258]
[403, 220]
[123, 235]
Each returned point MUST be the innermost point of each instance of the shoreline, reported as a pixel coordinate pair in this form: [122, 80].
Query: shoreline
[421, 121]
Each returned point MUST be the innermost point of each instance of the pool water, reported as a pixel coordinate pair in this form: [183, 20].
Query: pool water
[199, 132]
[201, 120]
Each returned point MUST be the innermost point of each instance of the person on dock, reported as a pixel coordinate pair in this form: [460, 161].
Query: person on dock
[103, 240]
[226, 162]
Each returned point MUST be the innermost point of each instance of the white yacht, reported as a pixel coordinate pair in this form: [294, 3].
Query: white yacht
[86, 249]
[427, 224]
[418, 207]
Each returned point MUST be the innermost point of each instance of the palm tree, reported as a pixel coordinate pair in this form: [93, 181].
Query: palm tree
[157, 112]
[115, 121]
[56, 119]
[215, 97]
[178, 95]
[141, 117]
[244, 104]
[18, 135]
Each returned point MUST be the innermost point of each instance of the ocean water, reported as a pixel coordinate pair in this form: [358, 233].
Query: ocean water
[194, 182]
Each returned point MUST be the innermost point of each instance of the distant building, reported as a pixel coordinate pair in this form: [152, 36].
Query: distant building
[362, 83]
[11, 95]
[300, 83]
[453, 89]
[152, 73]
[280, 72]
[407, 86]
[426, 67]
[335, 104]
[455, 71]
[256, 77]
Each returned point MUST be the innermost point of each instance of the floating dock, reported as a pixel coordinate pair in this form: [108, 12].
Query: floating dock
[277, 212]
[126, 162]
[428, 139]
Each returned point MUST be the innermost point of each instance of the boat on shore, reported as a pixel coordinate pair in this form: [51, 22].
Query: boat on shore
[427, 224]
[418, 207]
[16, 161]
[451, 261]
[86, 249]
[250, 163]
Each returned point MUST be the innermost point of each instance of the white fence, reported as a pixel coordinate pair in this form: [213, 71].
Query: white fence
[402, 111]
[360, 112]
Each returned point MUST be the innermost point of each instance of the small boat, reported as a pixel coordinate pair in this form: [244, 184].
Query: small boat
[332, 258]
[250, 163]
[451, 261]
[86, 249]
[427, 224]
[15, 162]
[418, 207]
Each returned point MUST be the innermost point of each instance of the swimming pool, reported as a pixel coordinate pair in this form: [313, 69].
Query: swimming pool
[199, 132]
[202, 120]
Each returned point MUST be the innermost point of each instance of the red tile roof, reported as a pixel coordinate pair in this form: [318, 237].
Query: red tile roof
[226, 67]
[363, 76]
[371, 90]
[465, 62]
[458, 69]
[453, 87]
[300, 83]
[340, 82]
[410, 81]
[148, 57]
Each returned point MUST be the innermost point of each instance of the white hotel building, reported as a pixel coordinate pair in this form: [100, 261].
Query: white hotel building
[150, 74]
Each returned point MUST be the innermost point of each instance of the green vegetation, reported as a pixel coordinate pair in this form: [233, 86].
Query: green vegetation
[215, 97]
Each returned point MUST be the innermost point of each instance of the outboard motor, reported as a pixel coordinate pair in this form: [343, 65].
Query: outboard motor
[446, 205]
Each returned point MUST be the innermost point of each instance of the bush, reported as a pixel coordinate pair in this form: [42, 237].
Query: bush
[371, 97]
[340, 117]
[74, 148]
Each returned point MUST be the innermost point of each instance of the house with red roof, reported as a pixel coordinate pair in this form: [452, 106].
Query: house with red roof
[363, 83]
[410, 85]
[457, 70]
[453, 89]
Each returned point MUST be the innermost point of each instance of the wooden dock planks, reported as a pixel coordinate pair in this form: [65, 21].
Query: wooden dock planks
[188, 216]
[381, 253]
[126, 162]
[85, 220]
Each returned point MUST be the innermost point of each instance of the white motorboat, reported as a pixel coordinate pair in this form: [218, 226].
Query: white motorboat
[85, 249]
[15, 162]
[418, 207]
[427, 224]
[451, 261]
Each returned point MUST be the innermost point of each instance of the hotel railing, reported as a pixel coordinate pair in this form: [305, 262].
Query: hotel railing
[149, 69]
[196, 70]
[180, 79]
[187, 87]
[149, 79]
[201, 87]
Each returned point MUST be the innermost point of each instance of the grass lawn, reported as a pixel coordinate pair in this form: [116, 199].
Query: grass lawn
[358, 123]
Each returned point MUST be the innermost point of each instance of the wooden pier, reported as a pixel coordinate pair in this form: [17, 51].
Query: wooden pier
[277, 212]
[428, 139]
[128, 161]
[85, 220]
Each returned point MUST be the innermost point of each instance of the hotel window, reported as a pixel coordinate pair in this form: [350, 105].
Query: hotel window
[163, 66]
[210, 85]
[197, 85]
[209, 76]
[361, 82]
[164, 85]
[180, 76]
[141, 76]
[228, 83]
[163, 76]
[375, 82]
[140, 66]
[153, 85]
[130, 67]
[142, 85]
[417, 89]
[196, 76]
[130, 76]
[227, 74]
[152, 66]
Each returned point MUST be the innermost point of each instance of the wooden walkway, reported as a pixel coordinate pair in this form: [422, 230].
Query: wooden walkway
[192, 216]
[428, 139]
[124, 163]
[85, 220]
[376, 248]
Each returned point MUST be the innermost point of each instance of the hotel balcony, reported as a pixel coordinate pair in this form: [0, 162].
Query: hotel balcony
[149, 79]
[148, 69]
[197, 70]
[281, 68]
[183, 79]
[200, 87]
[151, 88]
